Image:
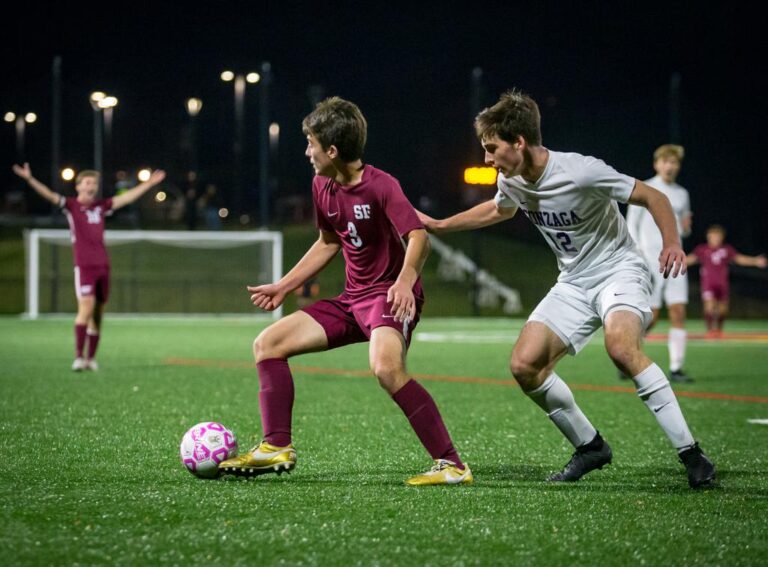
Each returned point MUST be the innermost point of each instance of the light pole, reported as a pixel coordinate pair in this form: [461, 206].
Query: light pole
[20, 121]
[238, 147]
[193, 106]
[101, 102]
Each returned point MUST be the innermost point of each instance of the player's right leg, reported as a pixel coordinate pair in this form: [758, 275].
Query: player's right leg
[540, 345]
[295, 334]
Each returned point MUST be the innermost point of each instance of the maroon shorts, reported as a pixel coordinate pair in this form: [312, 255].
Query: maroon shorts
[714, 291]
[348, 321]
[92, 280]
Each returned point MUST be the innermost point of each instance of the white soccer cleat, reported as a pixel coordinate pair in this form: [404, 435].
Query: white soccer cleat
[91, 365]
[79, 364]
[444, 472]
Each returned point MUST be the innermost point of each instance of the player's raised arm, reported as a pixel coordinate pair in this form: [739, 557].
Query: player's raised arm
[271, 296]
[672, 257]
[133, 194]
[41, 189]
[691, 260]
[752, 261]
[401, 292]
[479, 216]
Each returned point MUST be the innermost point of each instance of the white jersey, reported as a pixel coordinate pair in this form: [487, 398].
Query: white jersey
[641, 225]
[574, 205]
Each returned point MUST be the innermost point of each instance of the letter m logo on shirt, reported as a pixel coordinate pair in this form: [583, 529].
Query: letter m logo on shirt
[94, 216]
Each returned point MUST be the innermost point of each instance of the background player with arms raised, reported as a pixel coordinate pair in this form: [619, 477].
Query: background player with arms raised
[86, 214]
[363, 212]
[572, 200]
[673, 292]
[714, 257]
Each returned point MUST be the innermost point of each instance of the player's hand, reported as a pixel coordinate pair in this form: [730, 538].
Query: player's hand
[672, 261]
[429, 223]
[400, 295]
[23, 171]
[267, 297]
[156, 176]
[762, 261]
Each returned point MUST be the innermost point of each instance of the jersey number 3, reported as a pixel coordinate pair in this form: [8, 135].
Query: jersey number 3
[354, 238]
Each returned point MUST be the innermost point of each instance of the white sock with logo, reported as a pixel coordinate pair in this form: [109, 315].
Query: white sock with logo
[676, 343]
[555, 397]
[654, 389]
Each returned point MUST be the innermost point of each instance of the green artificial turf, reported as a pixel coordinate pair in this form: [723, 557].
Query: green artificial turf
[90, 471]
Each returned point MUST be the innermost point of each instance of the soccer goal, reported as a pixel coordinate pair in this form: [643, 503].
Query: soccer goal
[158, 272]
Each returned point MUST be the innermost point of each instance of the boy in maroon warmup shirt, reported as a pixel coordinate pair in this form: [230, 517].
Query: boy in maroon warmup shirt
[85, 214]
[714, 257]
[363, 212]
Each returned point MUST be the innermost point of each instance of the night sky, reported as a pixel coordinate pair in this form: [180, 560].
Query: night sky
[600, 72]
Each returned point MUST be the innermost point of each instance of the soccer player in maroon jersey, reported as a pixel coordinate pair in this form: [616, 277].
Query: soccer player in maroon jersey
[86, 213]
[714, 257]
[363, 212]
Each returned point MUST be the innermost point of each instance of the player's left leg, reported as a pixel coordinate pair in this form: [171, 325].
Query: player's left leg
[676, 298]
[623, 341]
[93, 333]
[677, 342]
[387, 360]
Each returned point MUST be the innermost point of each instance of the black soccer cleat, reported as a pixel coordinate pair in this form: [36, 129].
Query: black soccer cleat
[680, 376]
[701, 471]
[594, 455]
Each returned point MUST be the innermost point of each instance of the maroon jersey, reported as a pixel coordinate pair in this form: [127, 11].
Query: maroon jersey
[86, 227]
[371, 219]
[714, 263]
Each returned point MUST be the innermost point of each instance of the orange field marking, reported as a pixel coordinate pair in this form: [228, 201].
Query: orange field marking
[460, 379]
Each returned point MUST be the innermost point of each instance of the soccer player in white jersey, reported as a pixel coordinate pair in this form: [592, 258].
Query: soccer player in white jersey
[572, 200]
[673, 292]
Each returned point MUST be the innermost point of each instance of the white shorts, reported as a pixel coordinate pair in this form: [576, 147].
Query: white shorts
[670, 291]
[574, 313]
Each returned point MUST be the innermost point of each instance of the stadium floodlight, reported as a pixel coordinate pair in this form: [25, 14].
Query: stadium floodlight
[107, 102]
[253, 78]
[30, 118]
[67, 174]
[194, 106]
[227, 76]
[480, 175]
[144, 174]
[168, 272]
[9, 116]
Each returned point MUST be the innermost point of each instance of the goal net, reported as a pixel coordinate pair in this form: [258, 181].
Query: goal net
[157, 272]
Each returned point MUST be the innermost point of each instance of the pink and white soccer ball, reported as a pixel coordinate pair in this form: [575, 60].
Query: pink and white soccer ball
[204, 446]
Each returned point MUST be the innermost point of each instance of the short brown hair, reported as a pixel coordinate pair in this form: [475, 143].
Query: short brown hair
[87, 173]
[716, 228]
[669, 150]
[516, 114]
[338, 122]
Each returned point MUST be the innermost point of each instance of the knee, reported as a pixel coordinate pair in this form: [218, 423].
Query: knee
[391, 377]
[525, 370]
[620, 352]
[266, 346]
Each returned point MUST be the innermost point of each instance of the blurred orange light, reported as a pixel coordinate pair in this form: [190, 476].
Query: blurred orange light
[480, 175]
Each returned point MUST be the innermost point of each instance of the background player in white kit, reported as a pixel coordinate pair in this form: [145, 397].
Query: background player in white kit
[672, 292]
[572, 200]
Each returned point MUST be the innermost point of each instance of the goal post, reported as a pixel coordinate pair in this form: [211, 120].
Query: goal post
[157, 272]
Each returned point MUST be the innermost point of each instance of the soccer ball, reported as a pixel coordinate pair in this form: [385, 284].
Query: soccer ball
[204, 446]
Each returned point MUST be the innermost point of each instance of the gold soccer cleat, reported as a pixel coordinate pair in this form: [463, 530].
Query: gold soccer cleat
[444, 472]
[261, 459]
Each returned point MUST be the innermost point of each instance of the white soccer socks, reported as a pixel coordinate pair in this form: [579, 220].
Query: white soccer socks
[654, 389]
[676, 342]
[555, 397]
